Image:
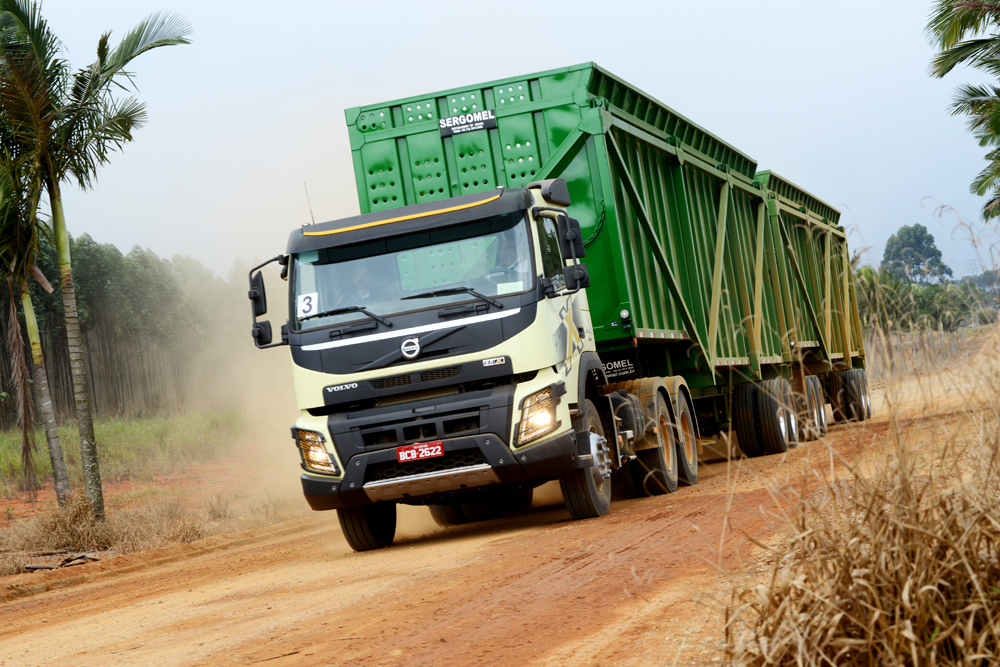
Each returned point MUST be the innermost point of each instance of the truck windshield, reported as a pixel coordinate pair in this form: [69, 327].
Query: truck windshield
[491, 256]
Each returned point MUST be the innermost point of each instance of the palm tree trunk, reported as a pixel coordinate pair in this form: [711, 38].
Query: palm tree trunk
[48, 415]
[81, 390]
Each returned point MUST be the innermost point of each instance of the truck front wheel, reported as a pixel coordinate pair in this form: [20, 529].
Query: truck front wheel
[587, 491]
[369, 526]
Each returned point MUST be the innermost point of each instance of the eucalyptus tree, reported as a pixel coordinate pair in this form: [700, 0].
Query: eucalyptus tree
[19, 234]
[73, 121]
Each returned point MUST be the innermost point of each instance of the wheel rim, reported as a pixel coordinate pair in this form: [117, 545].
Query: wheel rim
[602, 458]
[782, 425]
[661, 434]
[686, 437]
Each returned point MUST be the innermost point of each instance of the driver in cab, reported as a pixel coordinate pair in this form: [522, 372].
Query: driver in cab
[510, 271]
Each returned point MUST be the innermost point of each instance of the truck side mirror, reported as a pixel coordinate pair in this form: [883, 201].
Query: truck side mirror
[262, 333]
[577, 277]
[570, 237]
[257, 296]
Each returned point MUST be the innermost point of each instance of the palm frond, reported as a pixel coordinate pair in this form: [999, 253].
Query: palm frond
[952, 20]
[25, 403]
[156, 30]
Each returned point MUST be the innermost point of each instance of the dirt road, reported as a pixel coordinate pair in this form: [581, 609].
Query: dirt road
[539, 589]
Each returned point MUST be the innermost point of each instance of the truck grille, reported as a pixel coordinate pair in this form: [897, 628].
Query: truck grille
[378, 472]
[431, 375]
[389, 383]
[440, 373]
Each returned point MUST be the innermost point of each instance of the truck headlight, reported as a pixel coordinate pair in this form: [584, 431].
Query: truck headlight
[538, 415]
[314, 454]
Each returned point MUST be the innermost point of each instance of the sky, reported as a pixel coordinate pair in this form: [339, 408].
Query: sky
[833, 96]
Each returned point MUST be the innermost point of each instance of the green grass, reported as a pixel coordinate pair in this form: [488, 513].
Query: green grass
[130, 448]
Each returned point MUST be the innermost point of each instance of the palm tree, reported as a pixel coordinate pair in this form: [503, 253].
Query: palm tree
[72, 122]
[955, 25]
[958, 27]
[19, 193]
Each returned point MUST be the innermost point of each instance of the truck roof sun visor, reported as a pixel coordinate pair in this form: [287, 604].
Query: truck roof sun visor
[408, 219]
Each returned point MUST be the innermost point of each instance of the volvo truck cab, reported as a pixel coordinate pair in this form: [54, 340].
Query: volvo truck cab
[443, 355]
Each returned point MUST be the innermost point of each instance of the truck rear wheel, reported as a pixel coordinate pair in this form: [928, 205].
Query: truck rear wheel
[687, 442]
[482, 511]
[587, 491]
[655, 470]
[447, 515]
[745, 420]
[369, 526]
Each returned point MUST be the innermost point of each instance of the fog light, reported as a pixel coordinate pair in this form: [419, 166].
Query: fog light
[538, 416]
[314, 454]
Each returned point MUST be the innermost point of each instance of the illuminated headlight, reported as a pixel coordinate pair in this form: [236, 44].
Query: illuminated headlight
[538, 416]
[314, 454]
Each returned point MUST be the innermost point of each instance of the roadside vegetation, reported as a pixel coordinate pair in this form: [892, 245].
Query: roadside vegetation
[892, 558]
[135, 448]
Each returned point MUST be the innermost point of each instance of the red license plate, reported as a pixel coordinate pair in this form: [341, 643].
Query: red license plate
[421, 450]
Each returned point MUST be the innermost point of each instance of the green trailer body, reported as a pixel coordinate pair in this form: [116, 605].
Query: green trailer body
[722, 274]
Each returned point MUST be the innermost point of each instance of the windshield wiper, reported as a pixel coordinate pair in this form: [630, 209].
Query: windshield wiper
[349, 309]
[453, 291]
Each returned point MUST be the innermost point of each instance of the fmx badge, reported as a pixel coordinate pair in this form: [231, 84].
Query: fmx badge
[496, 361]
[468, 122]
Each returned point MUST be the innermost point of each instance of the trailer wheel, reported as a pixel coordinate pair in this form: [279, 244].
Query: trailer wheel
[840, 396]
[369, 526]
[687, 442]
[860, 403]
[850, 397]
[587, 491]
[804, 413]
[745, 421]
[817, 410]
[448, 515]
[654, 470]
[772, 413]
[865, 395]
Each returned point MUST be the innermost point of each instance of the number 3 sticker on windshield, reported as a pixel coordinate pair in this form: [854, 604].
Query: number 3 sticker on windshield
[306, 304]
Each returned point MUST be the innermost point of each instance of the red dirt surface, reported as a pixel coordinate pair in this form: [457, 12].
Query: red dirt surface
[633, 588]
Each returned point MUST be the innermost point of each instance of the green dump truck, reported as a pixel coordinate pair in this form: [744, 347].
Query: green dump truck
[555, 276]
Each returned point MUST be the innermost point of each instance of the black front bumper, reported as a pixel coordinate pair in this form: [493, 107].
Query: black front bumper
[483, 459]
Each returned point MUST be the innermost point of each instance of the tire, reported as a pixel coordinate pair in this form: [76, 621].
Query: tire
[369, 526]
[745, 419]
[686, 442]
[448, 515]
[838, 397]
[851, 395]
[817, 409]
[586, 497]
[772, 415]
[481, 511]
[862, 403]
[654, 471]
[793, 427]
[804, 414]
[519, 501]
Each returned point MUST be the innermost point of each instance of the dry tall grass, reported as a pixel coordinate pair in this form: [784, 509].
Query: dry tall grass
[897, 560]
[150, 525]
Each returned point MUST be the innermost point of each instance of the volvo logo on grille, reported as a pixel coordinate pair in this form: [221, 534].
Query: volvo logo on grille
[410, 348]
